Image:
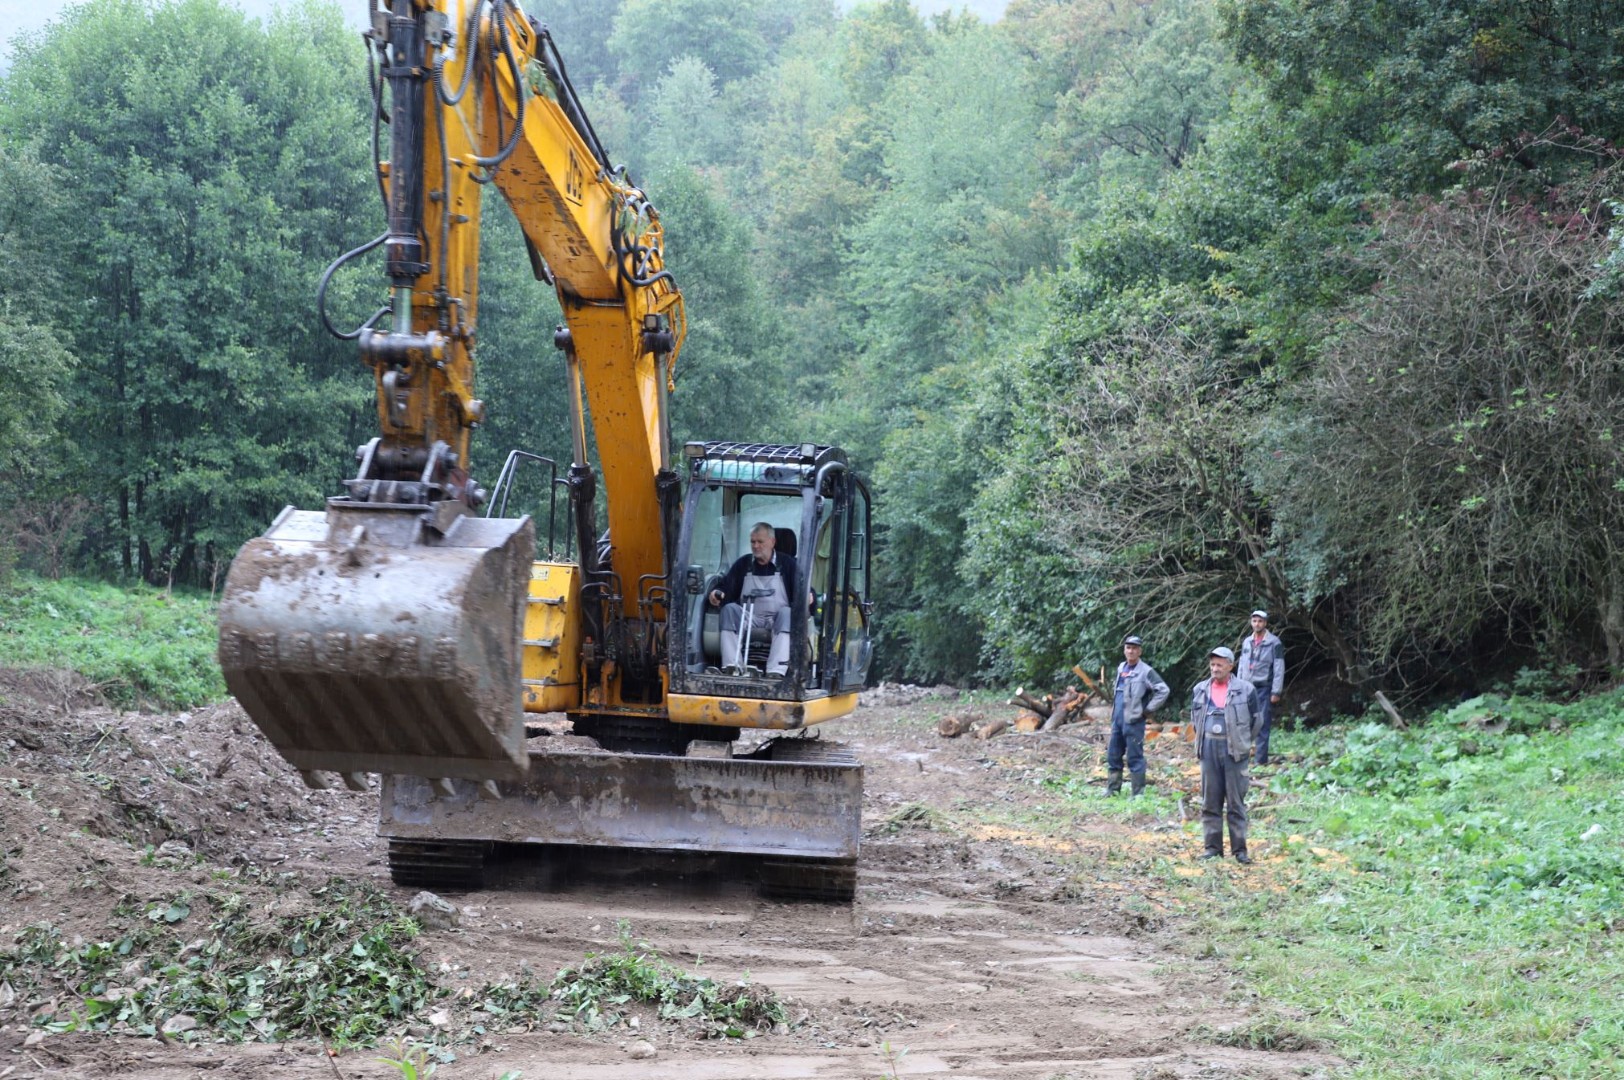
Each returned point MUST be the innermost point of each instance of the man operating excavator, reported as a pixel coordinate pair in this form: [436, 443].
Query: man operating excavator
[754, 595]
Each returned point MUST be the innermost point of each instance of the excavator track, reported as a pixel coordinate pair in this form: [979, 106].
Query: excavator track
[831, 880]
[455, 865]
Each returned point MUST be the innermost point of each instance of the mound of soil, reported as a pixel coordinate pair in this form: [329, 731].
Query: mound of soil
[99, 805]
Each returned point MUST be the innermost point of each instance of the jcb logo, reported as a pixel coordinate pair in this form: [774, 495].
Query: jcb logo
[574, 182]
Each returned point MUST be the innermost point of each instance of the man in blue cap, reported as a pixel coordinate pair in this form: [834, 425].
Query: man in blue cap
[1263, 664]
[1223, 711]
[1139, 693]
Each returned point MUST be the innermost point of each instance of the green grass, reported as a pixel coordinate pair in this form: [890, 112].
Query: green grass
[1454, 902]
[142, 646]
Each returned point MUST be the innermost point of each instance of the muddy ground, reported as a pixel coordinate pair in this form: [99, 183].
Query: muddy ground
[980, 942]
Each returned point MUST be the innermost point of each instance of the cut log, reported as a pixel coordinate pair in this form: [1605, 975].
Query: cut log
[991, 728]
[1027, 720]
[1026, 701]
[951, 727]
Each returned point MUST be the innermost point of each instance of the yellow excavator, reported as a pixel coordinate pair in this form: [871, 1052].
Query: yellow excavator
[412, 628]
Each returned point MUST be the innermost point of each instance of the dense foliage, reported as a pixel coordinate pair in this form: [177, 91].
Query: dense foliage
[1139, 315]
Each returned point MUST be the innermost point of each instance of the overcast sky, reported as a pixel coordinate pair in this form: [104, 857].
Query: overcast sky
[21, 16]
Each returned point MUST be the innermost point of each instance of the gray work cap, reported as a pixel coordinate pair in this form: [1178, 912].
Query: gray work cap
[1224, 652]
[1134, 639]
[1261, 614]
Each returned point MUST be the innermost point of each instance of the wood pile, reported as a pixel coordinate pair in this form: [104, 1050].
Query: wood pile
[1034, 712]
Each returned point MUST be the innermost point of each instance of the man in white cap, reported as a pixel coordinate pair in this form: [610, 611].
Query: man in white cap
[1263, 665]
[1222, 710]
[1139, 693]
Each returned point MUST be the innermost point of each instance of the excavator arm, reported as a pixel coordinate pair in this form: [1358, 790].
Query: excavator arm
[383, 634]
[480, 96]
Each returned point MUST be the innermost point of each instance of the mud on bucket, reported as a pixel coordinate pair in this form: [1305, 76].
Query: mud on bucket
[364, 639]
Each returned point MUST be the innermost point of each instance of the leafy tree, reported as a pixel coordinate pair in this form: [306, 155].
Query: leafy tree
[688, 125]
[650, 35]
[939, 250]
[209, 166]
[35, 363]
[581, 29]
[1130, 89]
[880, 42]
[1448, 477]
[732, 381]
[1396, 92]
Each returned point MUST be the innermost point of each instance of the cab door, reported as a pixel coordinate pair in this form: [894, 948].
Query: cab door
[855, 647]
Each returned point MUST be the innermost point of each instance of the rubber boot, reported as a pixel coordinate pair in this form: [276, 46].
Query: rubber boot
[1138, 779]
[1113, 782]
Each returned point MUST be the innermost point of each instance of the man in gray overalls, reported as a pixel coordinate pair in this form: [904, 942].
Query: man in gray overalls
[1263, 664]
[1139, 693]
[758, 587]
[1222, 710]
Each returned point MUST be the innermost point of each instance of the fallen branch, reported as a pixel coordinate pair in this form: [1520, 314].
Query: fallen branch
[1392, 713]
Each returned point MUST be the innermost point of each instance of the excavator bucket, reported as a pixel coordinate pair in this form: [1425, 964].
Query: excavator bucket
[382, 638]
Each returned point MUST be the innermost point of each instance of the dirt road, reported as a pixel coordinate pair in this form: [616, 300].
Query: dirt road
[981, 944]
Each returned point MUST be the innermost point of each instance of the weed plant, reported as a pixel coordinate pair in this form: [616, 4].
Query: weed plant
[143, 647]
[1440, 902]
[343, 972]
[596, 992]
[1085, 793]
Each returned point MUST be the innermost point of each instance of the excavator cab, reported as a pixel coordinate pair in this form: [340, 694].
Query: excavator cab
[819, 510]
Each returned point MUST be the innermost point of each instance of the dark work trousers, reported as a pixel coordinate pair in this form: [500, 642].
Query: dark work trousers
[1260, 725]
[1126, 739]
[1223, 788]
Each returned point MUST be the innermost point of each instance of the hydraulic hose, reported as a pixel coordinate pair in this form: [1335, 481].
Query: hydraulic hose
[327, 276]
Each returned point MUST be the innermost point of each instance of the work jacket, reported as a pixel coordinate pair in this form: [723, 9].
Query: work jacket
[1240, 712]
[1264, 666]
[1135, 687]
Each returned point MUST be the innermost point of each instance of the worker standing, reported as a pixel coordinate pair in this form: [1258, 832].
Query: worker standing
[1263, 665]
[1139, 693]
[1222, 710]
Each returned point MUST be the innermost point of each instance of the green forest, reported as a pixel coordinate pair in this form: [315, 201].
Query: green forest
[1139, 314]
